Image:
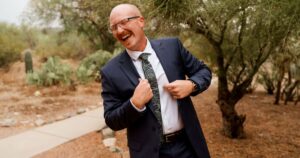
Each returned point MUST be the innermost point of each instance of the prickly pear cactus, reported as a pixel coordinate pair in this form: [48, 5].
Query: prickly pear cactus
[28, 62]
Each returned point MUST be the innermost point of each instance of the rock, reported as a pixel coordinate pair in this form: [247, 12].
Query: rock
[25, 122]
[39, 122]
[115, 149]
[8, 122]
[38, 116]
[67, 115]
[51, 121]
[58, 118]
[93, 107]
[108, 142]
[37, 93]
[73, 114]
[81, 110]
[107, 133]
[16, 113]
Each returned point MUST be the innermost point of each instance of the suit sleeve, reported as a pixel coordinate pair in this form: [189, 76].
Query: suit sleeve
[195, 69]
[118, 114]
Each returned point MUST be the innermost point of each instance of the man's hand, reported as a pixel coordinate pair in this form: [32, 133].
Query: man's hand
[142, 94]
[180, 88]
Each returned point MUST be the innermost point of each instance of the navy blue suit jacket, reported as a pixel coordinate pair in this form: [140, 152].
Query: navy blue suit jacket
[119, 79]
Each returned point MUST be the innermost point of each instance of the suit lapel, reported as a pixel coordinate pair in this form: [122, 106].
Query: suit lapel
[163, 56]
[128, 68]
[126, 65]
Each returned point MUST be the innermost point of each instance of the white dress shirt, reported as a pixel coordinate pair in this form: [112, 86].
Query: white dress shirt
[169, 107]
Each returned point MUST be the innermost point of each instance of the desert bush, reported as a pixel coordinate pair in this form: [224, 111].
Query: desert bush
[268, 80]
[88, 68]
[53, 72]
[63, 44]
[11, 43]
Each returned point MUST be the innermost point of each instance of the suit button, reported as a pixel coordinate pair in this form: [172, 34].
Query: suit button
[153, 129]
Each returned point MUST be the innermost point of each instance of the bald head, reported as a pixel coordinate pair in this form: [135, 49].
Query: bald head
[124, 9]
[126, 24]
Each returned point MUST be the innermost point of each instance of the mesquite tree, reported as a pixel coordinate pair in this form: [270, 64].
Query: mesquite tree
[88, 17]
[243, 34]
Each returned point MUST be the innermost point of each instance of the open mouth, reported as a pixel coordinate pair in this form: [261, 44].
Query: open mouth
[125, 37]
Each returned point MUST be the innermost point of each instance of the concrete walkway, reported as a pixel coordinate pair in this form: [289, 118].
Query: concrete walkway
[41, 139]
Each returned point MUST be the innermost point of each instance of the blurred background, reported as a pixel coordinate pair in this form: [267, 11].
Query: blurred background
[51, 51]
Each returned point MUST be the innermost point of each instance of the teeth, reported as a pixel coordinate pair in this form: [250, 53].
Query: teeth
[124, 37]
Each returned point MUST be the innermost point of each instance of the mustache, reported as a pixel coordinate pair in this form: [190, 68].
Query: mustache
[124, 33]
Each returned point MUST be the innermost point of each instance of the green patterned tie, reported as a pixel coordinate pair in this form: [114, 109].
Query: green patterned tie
[150, 76]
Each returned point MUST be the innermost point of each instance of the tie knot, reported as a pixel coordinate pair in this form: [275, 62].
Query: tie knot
[144, 56]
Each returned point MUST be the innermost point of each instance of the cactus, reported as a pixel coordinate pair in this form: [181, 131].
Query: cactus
[28, 62]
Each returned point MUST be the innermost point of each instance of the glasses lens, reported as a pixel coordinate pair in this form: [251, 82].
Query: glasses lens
[122, 23]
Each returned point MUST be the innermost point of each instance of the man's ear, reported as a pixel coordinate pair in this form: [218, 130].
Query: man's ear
[142, 22]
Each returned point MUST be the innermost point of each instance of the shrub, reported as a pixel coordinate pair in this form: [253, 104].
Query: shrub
[11, 44]
[64, 45]
[88, 68]
[268, 80]
[53, 72]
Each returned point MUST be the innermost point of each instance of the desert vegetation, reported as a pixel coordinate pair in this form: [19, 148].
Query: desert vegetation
[249, 45]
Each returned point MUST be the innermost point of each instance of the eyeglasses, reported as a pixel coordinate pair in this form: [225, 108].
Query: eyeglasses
[121, 23]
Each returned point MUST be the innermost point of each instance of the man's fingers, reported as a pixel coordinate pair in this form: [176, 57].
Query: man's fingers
[169, 86]
[143, 81]
[173, 91]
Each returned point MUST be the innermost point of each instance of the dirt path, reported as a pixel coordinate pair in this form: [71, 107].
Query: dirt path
[23, 107]
[272, 131]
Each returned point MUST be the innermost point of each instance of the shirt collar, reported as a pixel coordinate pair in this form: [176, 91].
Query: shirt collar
[134, 55]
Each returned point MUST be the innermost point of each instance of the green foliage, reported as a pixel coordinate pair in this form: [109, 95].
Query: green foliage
[44, 41]
[28, 62]
[89, 17]
[198, 46]
[54, 42]
[242, 40]
[11, 43]
[243, 35]
[268, 79]
[167, 17]
[89, 67]
[53, 72]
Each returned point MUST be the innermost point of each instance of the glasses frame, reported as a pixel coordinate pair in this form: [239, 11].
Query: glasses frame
[122, 23]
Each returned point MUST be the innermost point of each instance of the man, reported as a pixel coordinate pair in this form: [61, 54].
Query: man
[146, 91]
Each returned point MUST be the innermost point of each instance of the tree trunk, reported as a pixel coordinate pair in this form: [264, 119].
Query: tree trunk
[288, 92]
[278, 88]
[233, 124]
